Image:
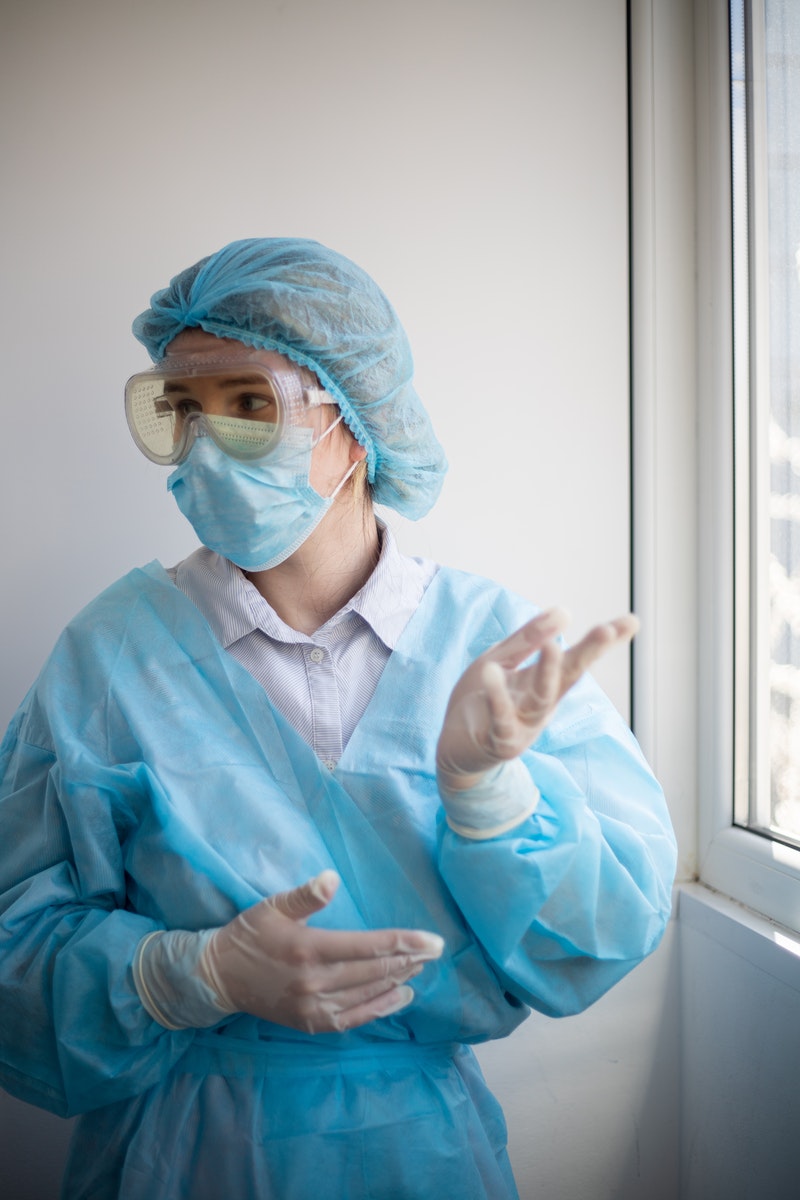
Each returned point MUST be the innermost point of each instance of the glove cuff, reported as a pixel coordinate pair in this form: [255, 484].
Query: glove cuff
[169, 980]
[504, 798]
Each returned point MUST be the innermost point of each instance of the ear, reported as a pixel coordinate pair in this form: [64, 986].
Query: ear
[357, 452]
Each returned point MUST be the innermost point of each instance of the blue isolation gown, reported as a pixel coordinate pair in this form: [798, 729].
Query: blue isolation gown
[148, 783]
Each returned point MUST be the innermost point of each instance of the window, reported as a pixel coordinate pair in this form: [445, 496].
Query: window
[748, 238]
[765, 120]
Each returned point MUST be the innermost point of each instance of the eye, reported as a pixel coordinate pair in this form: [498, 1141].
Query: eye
[252, 403]
[182, 406]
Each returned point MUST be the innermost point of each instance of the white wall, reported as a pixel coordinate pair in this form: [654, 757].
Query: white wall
[593, 1102]
[740, 1098]
[472, 155]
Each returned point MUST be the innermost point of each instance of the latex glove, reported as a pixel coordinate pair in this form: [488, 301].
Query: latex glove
[497, 710]
[267, 962]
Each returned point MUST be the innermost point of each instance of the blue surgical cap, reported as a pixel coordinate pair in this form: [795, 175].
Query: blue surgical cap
[322, 311]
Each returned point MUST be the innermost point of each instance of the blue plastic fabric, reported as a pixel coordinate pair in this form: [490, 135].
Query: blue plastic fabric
[254, 513]
[321, 310]
[148, 783]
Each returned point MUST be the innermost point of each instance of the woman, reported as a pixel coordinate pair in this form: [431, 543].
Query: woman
[250, 798]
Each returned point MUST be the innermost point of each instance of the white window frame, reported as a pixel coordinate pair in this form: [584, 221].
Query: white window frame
[683, 438]
[663, 385]
[759, 871]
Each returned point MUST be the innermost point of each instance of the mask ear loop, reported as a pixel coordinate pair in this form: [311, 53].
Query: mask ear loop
[344, 480]
[350, 469]
[325, 432]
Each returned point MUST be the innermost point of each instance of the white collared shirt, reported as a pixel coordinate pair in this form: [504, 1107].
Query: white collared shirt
[321, 682]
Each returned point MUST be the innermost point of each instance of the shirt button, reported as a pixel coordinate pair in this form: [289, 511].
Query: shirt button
[330, 763]
[317, 655]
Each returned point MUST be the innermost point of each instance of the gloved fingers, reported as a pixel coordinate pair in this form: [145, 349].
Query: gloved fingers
[305, 1003]
[273, 967]
[537, 688]
[371, 1010]
[513, 701]
[340, 1015]
[502, 710]
[529, 638]
[334, 946]
[302, 902]
[288, 940]
[580, 657]
[520, 700]
[374, 945]
[367, 978]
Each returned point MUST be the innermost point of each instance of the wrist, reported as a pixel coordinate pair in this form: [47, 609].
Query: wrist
[458, 781]
[170, 983]
[501, 799]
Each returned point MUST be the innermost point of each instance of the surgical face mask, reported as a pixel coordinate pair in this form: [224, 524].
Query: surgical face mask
[245, 403]
[255, 513]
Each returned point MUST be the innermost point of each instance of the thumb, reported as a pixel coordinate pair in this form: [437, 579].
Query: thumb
[301, 902]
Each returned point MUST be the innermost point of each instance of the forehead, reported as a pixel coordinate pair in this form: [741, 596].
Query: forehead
[195, 345]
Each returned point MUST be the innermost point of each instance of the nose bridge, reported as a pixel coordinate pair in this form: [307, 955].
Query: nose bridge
[210, 395]
[193, 426]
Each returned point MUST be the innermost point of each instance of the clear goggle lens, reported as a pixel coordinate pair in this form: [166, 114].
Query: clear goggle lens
[243, 404]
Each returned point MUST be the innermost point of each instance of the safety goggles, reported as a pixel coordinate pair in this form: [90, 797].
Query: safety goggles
[242, 403]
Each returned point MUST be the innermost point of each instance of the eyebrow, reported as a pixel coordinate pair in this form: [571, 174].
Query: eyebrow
[237, 381]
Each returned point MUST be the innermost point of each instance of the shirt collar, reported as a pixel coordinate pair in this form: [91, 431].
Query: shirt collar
[234, 607]
[392, 593]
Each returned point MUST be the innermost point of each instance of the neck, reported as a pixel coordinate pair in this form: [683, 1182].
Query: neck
[333, 563]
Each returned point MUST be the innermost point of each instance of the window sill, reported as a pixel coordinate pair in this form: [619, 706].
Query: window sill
[763, 875]
[763, 943]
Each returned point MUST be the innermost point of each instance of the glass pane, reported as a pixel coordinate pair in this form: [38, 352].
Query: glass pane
[782, 79]
[743, 786]
[765, 107]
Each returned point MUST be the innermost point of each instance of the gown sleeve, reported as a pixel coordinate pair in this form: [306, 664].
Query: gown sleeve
[575, 896]
[73, 1035]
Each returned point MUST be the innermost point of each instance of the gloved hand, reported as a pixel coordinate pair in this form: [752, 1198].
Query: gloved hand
[268, 963]
[496, 711]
